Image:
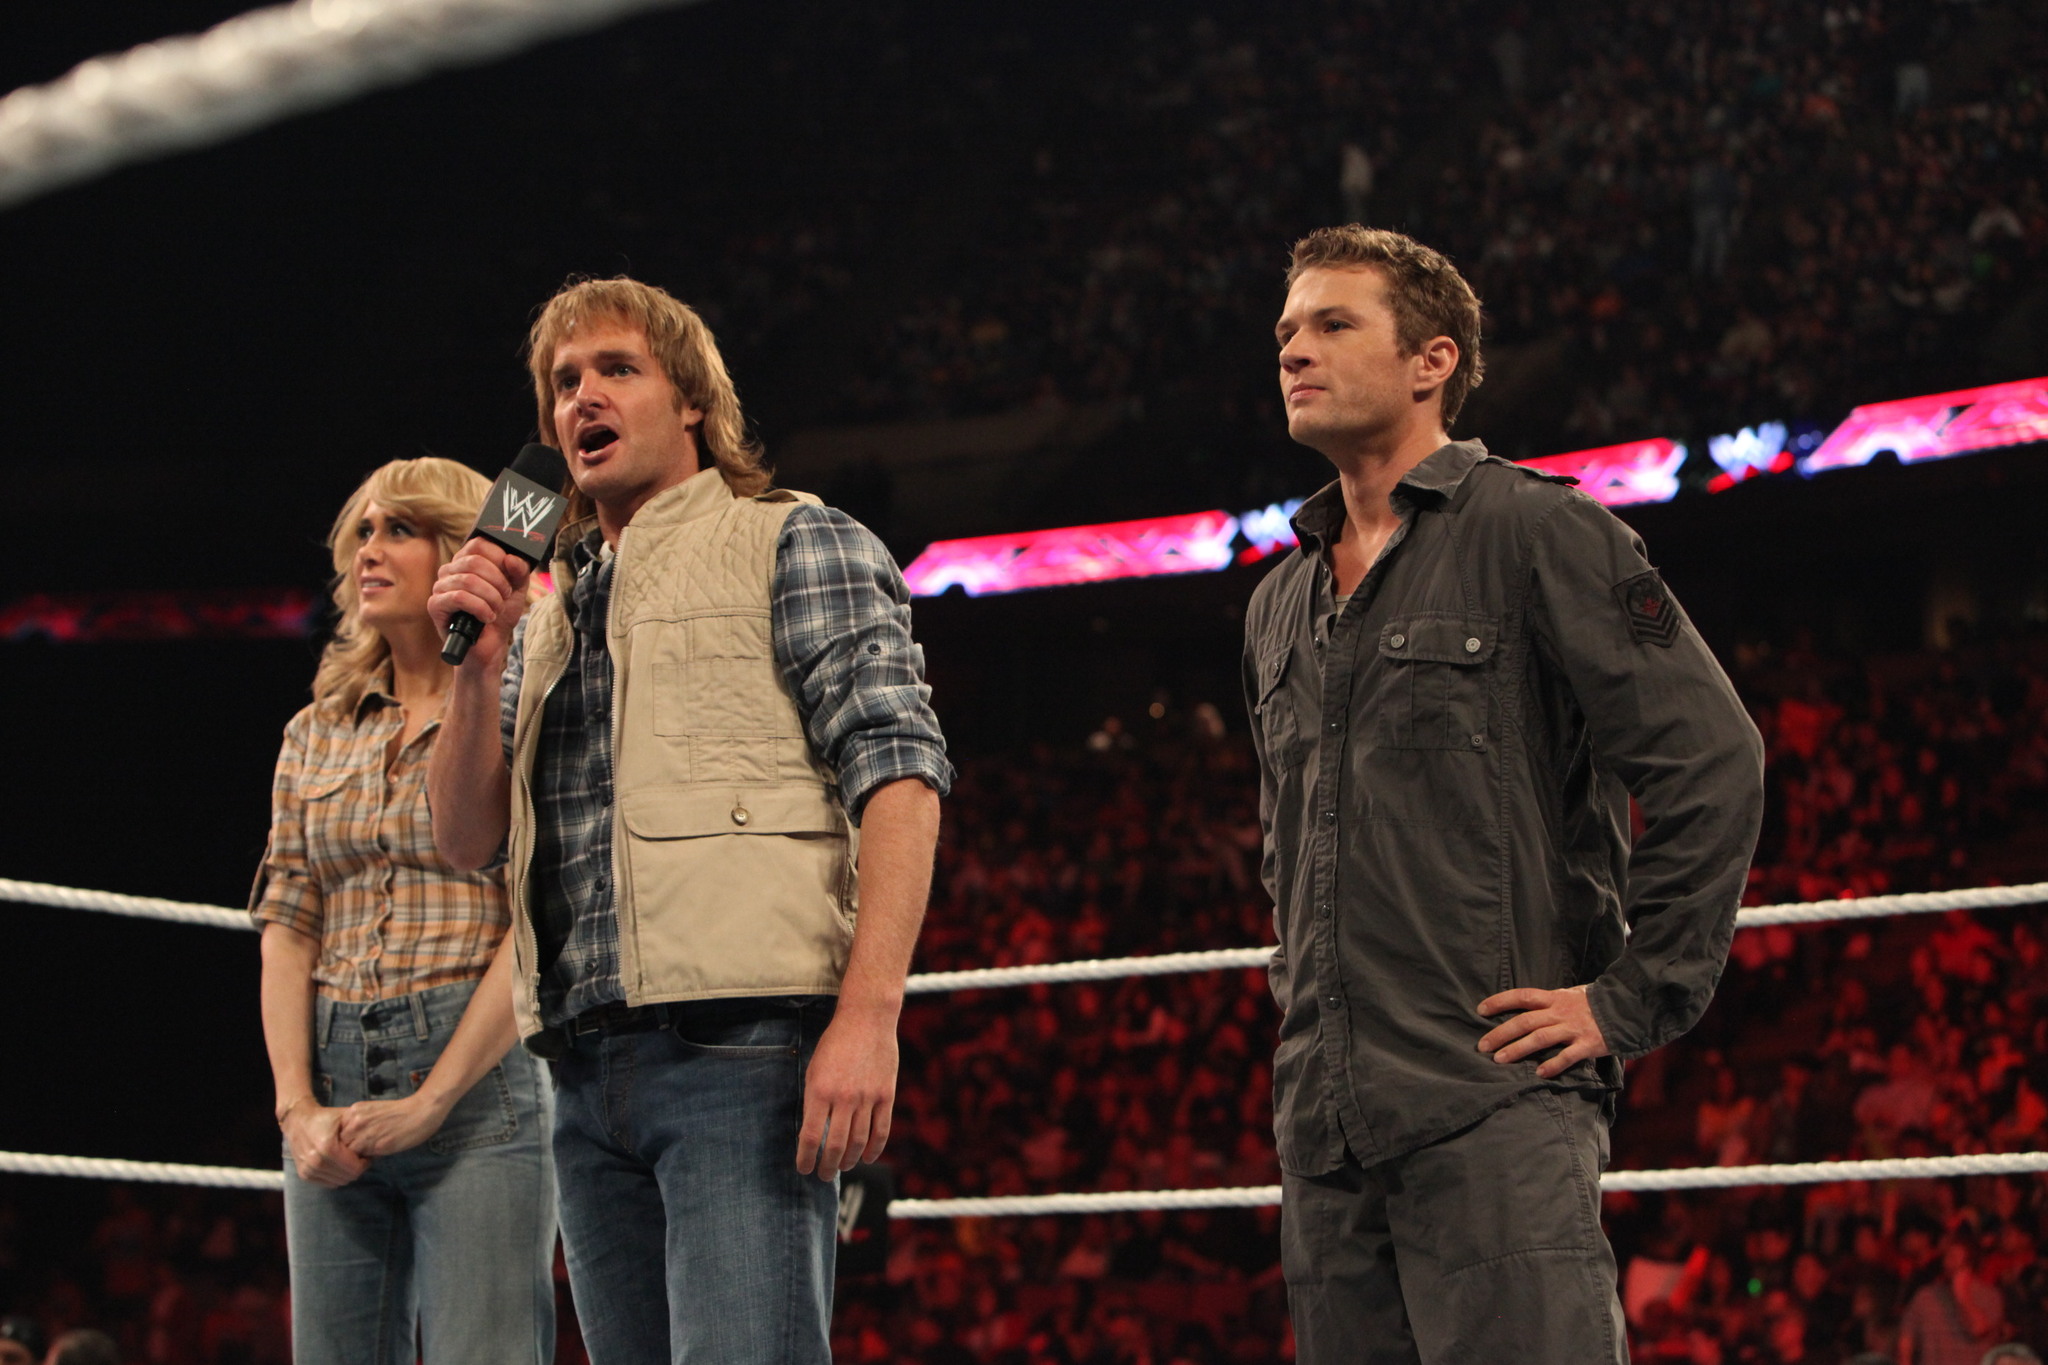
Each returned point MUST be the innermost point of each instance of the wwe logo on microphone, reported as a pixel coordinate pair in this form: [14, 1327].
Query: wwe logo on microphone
[521, 513]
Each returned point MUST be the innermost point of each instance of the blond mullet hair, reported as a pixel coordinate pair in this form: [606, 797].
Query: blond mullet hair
[688, 354]
[441, 498]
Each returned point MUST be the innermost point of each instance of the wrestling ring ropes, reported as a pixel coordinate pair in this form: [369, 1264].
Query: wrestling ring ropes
[1226, 959]
[272, 63]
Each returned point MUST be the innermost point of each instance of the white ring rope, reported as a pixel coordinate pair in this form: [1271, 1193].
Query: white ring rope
[1124, 1201]
[255, 69]
[113, 903]
[148, 1172]
[1100, 969]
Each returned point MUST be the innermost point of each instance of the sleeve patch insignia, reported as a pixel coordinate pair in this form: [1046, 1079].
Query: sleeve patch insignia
[1653, 617]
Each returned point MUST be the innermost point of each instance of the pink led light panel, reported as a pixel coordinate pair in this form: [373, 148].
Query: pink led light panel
[1193, 543]
[1937, 426]
[1623, 475]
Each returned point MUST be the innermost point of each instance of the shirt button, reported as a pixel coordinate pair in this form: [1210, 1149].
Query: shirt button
[1335, 726]
[1332, 1001]
[1396, 641]
[740, 815]
[1479, 741]
[1329, 817]
[1472, 645]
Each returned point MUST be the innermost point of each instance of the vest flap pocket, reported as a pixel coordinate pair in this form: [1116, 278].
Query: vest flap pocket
[1440, 638]
[694, 812]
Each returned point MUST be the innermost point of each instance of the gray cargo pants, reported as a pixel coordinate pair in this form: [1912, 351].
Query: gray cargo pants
[1482, 1247]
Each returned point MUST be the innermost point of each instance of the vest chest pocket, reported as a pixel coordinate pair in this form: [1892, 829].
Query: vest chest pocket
[1436, 690]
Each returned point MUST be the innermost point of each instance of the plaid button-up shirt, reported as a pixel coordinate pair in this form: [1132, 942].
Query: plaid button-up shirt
[841, 626]
[352, 861]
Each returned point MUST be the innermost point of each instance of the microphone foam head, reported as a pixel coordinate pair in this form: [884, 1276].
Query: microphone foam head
[542, 464]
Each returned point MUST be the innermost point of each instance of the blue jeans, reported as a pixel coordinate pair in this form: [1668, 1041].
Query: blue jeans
[457, 1236]
[691, 1237]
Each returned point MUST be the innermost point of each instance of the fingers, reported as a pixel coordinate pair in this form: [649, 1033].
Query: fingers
[812, 1133]
[1567, 1059]
[838, 1133]
[878, 1132]
[1520, 998]
[1533, 1042]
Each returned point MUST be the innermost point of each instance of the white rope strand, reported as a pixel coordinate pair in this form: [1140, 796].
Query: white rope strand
[1099, 969]
[113, 903]
[256, 69]
[1827, 1172]
[1910, 903]
[1102, 969]
[1127, 1201]
[148, 1172]
[1688, 1178]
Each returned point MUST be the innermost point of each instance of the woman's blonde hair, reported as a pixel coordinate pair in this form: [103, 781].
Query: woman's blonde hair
[687, 352]
[442, 498]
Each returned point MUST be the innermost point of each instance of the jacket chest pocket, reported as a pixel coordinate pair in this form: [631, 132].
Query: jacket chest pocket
[1273, 713]
[1437, 693]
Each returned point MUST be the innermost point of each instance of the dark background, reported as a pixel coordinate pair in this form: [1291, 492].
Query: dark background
[208, 352]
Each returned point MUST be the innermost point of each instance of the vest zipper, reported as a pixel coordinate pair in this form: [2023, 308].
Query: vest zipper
[619, 888]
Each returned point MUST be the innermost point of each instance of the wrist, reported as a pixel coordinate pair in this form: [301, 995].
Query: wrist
[284, 1111]
[870, 1007]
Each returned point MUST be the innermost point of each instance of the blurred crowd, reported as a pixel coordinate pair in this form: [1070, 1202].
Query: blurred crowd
[1683, 219]
[1903, 1036]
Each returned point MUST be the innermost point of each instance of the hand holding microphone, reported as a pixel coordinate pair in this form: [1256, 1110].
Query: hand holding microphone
[485, 584]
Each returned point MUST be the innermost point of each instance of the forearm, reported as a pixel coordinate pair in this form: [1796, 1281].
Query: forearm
[286, 998]
[468, 785]
[482, 1038]
[899, 835]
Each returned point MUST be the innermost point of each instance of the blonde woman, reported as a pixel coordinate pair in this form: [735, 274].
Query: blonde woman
[419, 1193]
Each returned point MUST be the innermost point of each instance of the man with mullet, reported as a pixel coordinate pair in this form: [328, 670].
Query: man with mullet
[1456, 684]
[691, 754]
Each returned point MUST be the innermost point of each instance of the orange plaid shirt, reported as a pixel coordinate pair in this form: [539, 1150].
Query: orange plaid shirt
[352, 861]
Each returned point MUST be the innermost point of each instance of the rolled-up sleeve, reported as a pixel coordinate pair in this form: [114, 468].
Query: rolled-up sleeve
[285, 892]
[1664, 718]
[842, 639]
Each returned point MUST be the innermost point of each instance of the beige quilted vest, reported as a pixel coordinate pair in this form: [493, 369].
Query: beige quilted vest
[732, 857]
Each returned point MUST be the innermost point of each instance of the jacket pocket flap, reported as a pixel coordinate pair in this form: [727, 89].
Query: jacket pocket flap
[693, 812]
[1440, 638]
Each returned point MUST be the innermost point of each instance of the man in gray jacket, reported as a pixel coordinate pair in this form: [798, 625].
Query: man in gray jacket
[1456, 684]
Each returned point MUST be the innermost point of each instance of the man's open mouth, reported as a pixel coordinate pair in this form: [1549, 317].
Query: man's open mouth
[595, 438]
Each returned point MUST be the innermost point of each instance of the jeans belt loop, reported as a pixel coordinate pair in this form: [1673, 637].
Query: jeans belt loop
[418, 1001]
[323, 1019]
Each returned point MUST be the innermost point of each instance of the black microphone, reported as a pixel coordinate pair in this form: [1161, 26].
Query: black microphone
[521, 515]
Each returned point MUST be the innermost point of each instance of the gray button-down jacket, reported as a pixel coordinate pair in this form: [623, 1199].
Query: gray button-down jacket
[1445, 768]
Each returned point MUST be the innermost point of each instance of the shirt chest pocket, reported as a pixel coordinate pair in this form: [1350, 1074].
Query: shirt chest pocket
[1438, 686]
[1274, 712]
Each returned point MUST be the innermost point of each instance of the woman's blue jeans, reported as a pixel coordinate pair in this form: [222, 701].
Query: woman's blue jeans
[691, 1237]
[455, 1238]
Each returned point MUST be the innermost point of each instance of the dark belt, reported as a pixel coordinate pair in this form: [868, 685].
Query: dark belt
[618, 1017]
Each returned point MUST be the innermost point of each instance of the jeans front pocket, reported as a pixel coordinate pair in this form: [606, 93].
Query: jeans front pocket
[754, 1033]
[482, 1118]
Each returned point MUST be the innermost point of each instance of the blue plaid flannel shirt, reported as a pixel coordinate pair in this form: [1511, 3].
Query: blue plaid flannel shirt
[841, 625]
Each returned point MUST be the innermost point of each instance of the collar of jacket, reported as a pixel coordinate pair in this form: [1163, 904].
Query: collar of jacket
[703, 493]
[1439, 475]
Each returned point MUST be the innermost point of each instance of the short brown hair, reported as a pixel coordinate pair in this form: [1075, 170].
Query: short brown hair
[688, 355]
[1427, 294]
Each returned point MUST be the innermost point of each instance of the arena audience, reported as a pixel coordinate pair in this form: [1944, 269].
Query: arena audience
[1906, 1036]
